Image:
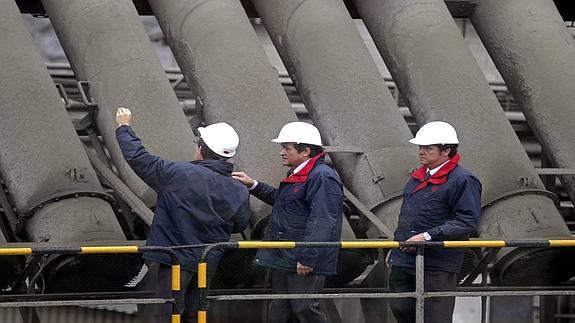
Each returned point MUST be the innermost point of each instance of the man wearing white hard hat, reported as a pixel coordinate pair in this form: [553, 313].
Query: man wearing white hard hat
[198, 202]
[307, 206]
[441, 201]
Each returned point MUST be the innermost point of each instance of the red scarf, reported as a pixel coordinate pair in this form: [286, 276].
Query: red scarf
[301, 176]
[440, 177]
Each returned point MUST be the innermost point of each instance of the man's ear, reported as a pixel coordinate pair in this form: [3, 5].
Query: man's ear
[199, 152]
[307, 151]
[446, 152]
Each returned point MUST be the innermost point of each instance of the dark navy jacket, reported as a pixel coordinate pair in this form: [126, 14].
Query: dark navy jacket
[447, 206]
[198, 202]
[306, 207]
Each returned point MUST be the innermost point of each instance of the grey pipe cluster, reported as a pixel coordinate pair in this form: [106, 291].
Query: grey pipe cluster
[107, 45]
[535, 54]
[435, 70]
[346, 96]
[226, 67]
[45, 168]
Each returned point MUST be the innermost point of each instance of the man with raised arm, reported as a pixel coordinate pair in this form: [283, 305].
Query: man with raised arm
[198, 203]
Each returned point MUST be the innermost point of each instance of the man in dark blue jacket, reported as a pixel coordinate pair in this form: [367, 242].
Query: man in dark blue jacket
[442, 201]
[307, 206]
[198, 202]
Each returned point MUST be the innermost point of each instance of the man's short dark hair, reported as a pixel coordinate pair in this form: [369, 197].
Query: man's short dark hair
[207, 153]
[314, 150]
[453, 148]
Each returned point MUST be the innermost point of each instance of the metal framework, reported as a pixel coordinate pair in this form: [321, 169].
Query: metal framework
[47, 250]
[419, 294]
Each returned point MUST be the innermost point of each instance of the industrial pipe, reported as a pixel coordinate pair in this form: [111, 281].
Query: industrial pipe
[346, 96]
[436, 72]
[535, 54]
[51, 183]
[107, 45]
[226, 67]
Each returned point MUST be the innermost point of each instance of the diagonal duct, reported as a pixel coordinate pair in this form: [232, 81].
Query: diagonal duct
[107, 45]
[536, 57]
[346, 96]
[441, 80]
[226, 67]
[41, 158]
[222, 59]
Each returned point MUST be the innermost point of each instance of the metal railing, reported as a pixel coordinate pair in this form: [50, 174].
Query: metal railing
[419, 294]
[175, 279]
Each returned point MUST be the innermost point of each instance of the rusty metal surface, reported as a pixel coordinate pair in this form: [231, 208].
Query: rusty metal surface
[106, 45]
[225, 65]
[535, 54]
[346, 96]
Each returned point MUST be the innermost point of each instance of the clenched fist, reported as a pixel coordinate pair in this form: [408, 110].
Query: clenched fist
[123, 116]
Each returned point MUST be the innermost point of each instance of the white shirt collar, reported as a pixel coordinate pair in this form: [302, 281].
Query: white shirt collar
[436, 169]
[300, 167]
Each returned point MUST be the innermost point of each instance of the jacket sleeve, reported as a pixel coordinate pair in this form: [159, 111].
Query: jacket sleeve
[466, 205]
[325, 198]
[242, 218]
[153, 170]
[265, 192]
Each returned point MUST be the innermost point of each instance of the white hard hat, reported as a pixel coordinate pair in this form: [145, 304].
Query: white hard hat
[221, 138]
[435, 133]
[300, 133]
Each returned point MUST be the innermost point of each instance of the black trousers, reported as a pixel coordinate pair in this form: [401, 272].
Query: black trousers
[158, 278]
[437, 310]
[295, 310]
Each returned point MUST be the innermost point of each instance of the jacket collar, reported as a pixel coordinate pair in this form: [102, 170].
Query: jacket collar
[218, 166]
[440, 177]
[302, 175]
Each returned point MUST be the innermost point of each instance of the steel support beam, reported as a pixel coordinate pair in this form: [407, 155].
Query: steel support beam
[346, 96]
[225, 65]
[435, 70]
[49, 177]
[535, 54]
[107, 45]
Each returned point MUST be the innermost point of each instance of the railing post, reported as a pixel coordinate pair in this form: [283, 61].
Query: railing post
[203, 277]
[176, 283]
[202, 287]
[419, 285]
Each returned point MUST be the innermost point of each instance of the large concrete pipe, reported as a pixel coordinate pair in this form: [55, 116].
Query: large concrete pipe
[220, 55]
[535, 54]
[226, 67]
[107, 45]
[346, 96]
[441, 80]
[45, 168]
